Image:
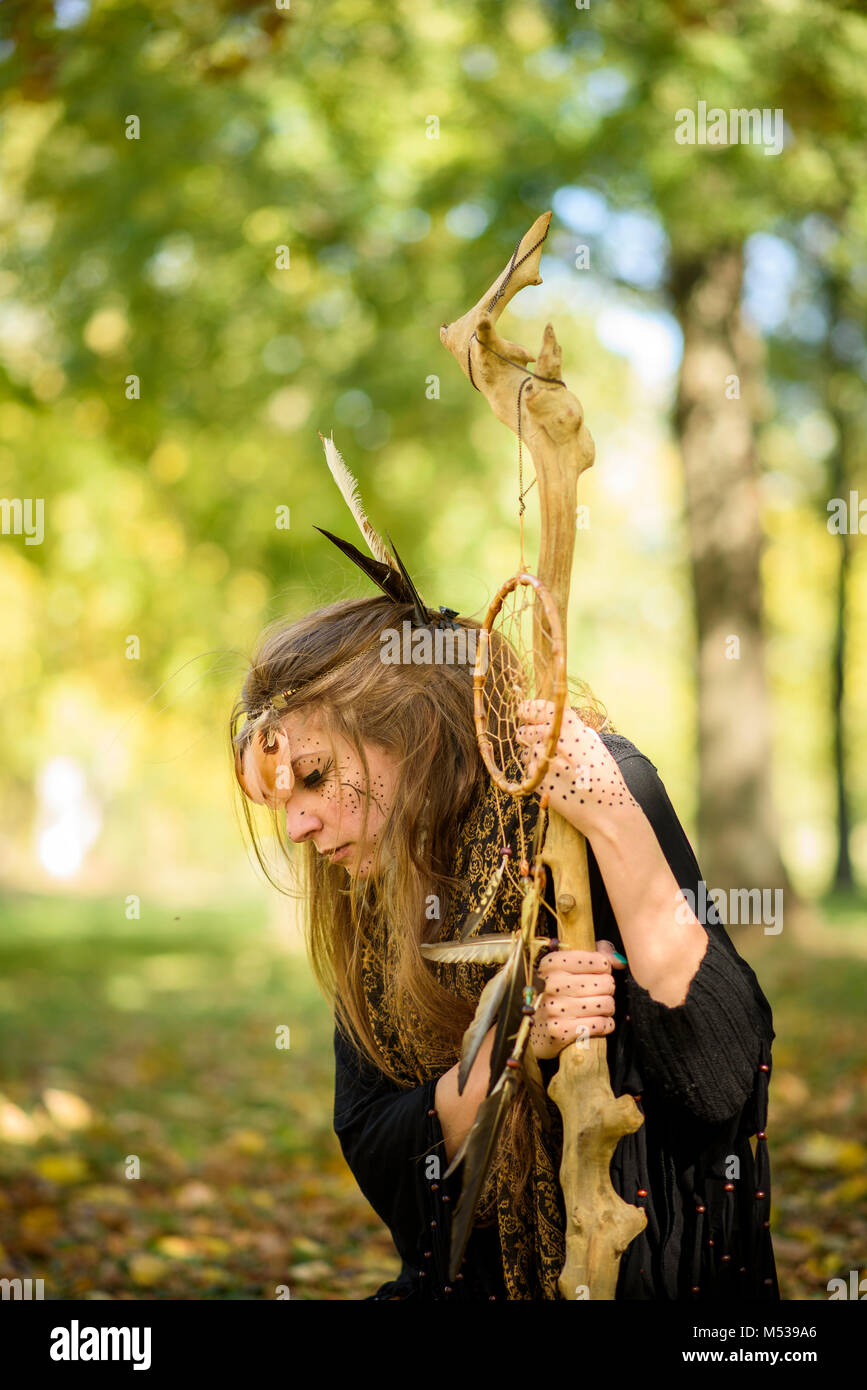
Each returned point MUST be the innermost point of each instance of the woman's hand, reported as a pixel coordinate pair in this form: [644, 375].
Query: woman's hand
[578, 997]
[583, 782]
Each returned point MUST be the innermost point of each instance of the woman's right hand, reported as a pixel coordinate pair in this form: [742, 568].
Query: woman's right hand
[577, 999]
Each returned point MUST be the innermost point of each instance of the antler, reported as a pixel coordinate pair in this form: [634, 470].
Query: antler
[600, 1225]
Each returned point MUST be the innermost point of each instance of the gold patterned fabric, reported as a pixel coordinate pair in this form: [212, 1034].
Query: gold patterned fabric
[531, 1237]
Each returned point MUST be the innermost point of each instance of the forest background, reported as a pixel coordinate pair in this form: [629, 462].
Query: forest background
[229, 226]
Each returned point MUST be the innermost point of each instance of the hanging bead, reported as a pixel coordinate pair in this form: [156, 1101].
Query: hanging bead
[434, 1187]
[761, 1134]
[431, 1114]
[764, 1067]
[760, 1194]
[695, 1288]
[701, 1210]
[729, 1187]
[642, 1192]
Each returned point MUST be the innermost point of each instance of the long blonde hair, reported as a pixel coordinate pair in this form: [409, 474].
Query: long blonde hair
[422, 716]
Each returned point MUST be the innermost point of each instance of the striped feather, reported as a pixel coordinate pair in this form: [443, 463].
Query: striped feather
[475, 918]
[351, 496]
[486, 1014]
[494, 949]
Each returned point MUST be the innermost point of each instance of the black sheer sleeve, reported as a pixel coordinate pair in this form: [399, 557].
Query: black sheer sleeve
[389, 1137]
[393, 1142]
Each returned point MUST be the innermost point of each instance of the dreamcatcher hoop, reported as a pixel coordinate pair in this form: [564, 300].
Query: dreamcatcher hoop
[550, 630]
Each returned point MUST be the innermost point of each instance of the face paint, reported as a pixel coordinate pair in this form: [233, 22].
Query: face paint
[320, 782]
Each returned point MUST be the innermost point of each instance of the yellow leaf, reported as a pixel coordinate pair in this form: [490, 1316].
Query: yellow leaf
[103, 1195]
[39, 1221]
[209, 1274]
[63, 1168]
[145, 1270]
[303, 1245]
[16, 1127]
[176, 1247]
[849, 1192]
[818, 1151]
[248, 1141]
[214, 1246]
[67, 1110]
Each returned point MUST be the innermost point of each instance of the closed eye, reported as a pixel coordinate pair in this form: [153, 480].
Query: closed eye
[317, 775]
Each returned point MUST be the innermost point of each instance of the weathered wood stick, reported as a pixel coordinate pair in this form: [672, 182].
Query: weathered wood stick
[599, 1224]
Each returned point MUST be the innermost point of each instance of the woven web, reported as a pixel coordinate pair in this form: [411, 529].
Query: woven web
[519, 644]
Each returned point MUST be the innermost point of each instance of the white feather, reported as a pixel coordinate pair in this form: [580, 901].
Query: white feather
[349, 491]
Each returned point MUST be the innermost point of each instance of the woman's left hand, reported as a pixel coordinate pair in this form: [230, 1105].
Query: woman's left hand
[583, 782]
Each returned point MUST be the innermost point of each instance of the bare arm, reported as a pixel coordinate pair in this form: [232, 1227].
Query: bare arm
[456, 1113]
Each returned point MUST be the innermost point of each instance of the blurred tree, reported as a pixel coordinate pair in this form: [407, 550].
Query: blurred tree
[799, 63]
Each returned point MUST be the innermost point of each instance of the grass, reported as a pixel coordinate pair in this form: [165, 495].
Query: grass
[153, 1041]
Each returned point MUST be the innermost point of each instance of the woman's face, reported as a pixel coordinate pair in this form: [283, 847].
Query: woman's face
[320, 782]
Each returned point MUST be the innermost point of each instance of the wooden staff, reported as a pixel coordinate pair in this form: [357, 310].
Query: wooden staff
[599, 1224]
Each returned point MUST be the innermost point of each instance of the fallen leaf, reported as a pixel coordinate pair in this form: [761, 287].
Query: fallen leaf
[39, 1221]
[820, 1151]
[195, 1194]
[214, 1246]
[16, 1126]
[248, 1141]
[311, 1272]
[146, 1270]
[67, 1110]
[62, 1168]
[176, 1247]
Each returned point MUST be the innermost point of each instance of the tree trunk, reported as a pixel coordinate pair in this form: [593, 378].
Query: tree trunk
[841, 471]
[737, 830]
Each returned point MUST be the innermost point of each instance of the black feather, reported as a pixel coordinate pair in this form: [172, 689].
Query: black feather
[420, 616]
[477, 1152]
[509, 1020]
[536, 1087]
[390, 581]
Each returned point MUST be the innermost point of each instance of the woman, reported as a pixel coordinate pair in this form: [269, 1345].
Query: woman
[373, 767]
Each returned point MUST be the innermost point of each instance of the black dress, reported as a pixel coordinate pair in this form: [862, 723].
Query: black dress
[701, 1071]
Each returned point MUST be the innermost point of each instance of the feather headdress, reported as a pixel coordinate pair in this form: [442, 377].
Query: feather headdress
[386, 569]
